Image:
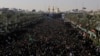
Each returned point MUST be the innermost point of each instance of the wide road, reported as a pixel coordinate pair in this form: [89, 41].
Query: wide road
[50, 37]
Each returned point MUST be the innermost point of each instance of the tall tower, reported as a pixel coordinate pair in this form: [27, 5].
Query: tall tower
[53, 9]
[58, 10]
[49, 9]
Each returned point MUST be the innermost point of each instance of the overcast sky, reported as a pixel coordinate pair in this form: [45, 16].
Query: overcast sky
[43, 4]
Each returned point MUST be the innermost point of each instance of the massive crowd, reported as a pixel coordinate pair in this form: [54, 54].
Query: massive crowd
[50, 38]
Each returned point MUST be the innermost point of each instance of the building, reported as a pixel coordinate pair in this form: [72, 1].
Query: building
[0, 12]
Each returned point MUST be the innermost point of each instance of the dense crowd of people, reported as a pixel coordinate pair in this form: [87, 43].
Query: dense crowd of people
[52, 37]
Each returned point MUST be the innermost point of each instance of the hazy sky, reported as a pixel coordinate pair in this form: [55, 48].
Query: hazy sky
[43, 4]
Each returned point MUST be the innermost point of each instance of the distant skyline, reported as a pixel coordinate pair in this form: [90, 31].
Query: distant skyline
[64, 5]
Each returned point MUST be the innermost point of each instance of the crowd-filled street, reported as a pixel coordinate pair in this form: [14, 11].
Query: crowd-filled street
[51, 37]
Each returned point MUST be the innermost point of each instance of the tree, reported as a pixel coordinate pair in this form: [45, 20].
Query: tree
[33, 10]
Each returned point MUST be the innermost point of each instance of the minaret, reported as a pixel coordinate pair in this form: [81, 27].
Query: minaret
[58, 10]
[49, 9]
[53, 10]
